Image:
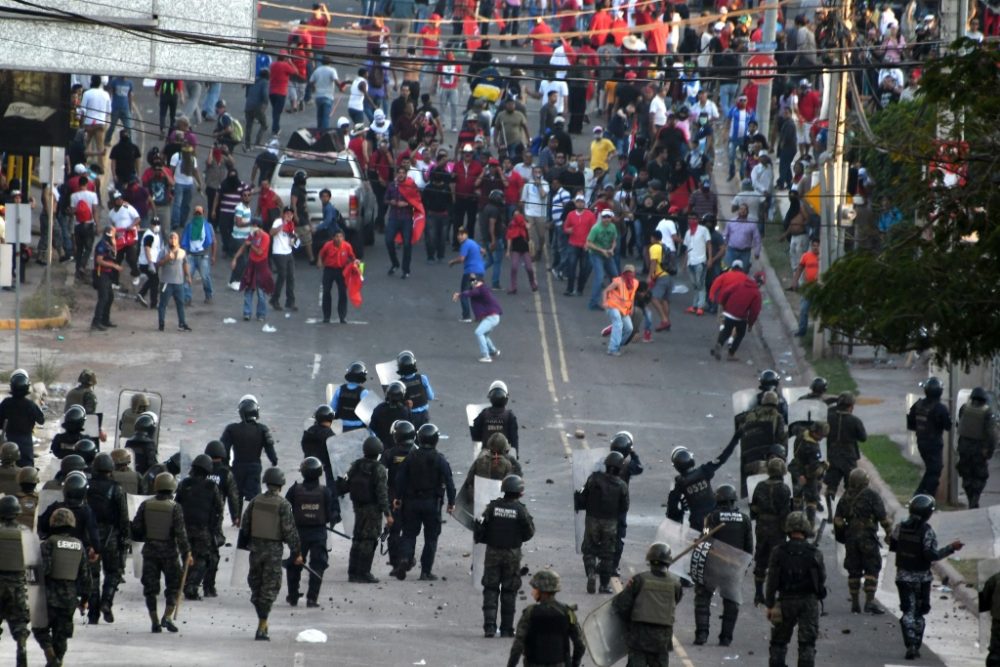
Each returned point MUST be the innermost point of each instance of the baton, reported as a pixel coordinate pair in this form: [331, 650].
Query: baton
[695, 544]
[337, 532]
[819, 532]
[180, 596]
[312, 572]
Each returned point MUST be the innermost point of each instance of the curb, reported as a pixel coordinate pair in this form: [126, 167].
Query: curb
[57, 322]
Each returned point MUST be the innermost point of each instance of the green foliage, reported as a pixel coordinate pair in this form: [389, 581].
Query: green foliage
[901, 131]
[837, 374]
[900, 474]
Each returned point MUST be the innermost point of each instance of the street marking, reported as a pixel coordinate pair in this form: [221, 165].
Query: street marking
[549, 379]
[316, 360]
[300, 659]
[564, 373]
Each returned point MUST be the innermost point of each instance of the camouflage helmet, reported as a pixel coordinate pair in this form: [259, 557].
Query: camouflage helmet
[797, 522]
[10, 507]
[512, 484]
[204, 463]
[121, 456]
[820, 428]
[845, 399]
[139, 403]
[88, 378]
[372, 447]
[274, 477]
[776, 468]
[63, 518]
[546, 581]
[165, 482]
[857, 480]
[27, 475]
[10, 452]
[658, 553]
[498, 444]
[104, 463]
[769, 398]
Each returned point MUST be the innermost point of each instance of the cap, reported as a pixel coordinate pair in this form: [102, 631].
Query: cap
[579, 198]
[559, 119]
[493, 162]
[762, 153]
[629, 267]
[719, 25]
[220, 103]
[342, 121]
[804, 83]
[607, 213]
[598, 129]
[379, 115]
[80, 169]
[629, 76]
[737, 264]
[480, 139]
[114, 195]
[467, 148]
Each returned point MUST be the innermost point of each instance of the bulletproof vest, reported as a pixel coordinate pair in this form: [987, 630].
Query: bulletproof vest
[656, 600]
[603, 496]
[494, 421]
[503, 530]
[220, 476]
[248, 442]
[265, 522]
[67, 552]
[759, 433]
[347, 400]
[424, 473]
[198, 502]
[415, 391]
[309, 505]
[858, 512]
[8, 480]
[733, 528]
[392, 459]
[767, 500]
[972, 423]
[796, 569]
[314, 442]
[362, 483]
[141, 446]
[101, 498]
[76, 395]
[697, 489]
[910, 547]
[547, 640]
[127, 479]
[11, 551]
[492, 466]
[159, 515]
[29, 505]
[922, 418]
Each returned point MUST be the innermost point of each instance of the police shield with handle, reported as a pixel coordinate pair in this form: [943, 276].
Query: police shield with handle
[977, 440]
[485, 491]
[315, 508]
[547, 632]
[496, 418]
[692, 491]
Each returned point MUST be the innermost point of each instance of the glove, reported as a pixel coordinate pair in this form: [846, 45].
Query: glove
[774, 615]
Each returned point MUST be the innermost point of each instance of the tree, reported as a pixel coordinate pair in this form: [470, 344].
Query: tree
[934, 284]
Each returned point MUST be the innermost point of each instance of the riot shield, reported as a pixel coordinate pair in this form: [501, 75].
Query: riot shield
[92, 426]
[35, 576]
[134, 502]
[486, 490]
[188, 450]
[344, 450]
[367, 406]
[604, 632]
[792, 394]
[126, 417]
[802, 412]
[386, 372]
[713, 563]
[330, 388]
[45, 498]
[754, 480]
[979, 530]
[585, 461]
[743, 400]
[464, 508]
[241, 567]
[985, 569]
[472, 411]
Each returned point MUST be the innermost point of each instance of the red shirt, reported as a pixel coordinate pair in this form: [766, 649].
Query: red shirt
[512, 193]
[810, 266]
[260, 243]
[751, 90]
[430, 40]
[541, 38]
[357, 146]
[382, 164]
[336, 257]
[267, 201]
[319, 25]
[465, 177]
[600, 24]
[809, 106]
[281, 72]
[577, 225]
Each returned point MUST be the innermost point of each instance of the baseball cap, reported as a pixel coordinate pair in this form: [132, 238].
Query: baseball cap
[467, 148]
[342, 121]
[629, 268]
[737, 264]
[579, 198]
[607, 213]
[80, 169]
[114, 195]
[559, 119]
[598, 129]
[379, 115]
[493, 162]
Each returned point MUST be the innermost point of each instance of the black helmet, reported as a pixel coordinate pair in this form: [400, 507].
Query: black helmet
[725, 495]
[777, 451]
[496, 196]
[356, 372]
[10, 507]
[498, 394]
[512, 484]
[403, 432]
[20, 385]
[818, 385]
[395, 393]
[406, 363]
[658, 554]
[274, 477]
[10, 452]
[146, 423]
[104, 463]
[708, 219]
[922, 506]
[324, 413]
[204, 463]
[74, 418]
[248, 408]
[311, 468]
[216, 449]
[372, 447]
[933, 387]
[622, 443]
[978, 394]
[173, 464]
[72, 463]
[87, 450]
[769, 380]
[74, 489]
[428, 435]
[682, 459]
[614, 461]
[299, 178]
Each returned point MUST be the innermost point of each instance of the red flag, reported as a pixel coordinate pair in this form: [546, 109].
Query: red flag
[354, 280]
[412, 196]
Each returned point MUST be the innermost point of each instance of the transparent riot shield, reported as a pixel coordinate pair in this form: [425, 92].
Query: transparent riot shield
[125, 421]
[604, 632]
[472, 411]
[386, 372]
[792, 394]
[713, 563]
[464, 507]
[754, 480]
[134, 502]
[92, 427]
[585, 462]
[486, 490]
[985, 569]
[330, 388]
[367, 406]
[188, 450]
[802, 412]
[241, 567]
[344, 450]
[35, 577]
[743, 400]
[45, 498]
[979, 530]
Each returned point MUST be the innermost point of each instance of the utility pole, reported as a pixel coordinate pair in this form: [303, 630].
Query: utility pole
[764, 90]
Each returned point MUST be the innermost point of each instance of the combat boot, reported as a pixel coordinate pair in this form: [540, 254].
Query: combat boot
[192, 594]
[51, 658]
[730, 612]
[153, 616]
[489, 631]
[312, 594]
[210, 593]
[605, 584]
[292, 599]
[261, 635]
[311, 603]
[166, 622]
[855, 603]
[109, 616]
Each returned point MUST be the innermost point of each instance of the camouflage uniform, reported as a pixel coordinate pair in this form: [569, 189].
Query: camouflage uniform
[796, 573]
[760, 428]
[770, 505]
[506, 525]
[604, 497]
[859, 513]
[368, 513]
[84, 396]
[265, 554]
[650, 626]
[807, 467]
[846, 431]
[62, 597]
[549, 645]
[14, 594]
[161, 556]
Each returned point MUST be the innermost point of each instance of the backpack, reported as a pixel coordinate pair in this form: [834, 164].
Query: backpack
[362, 485]
[83, 212]
[237, 133]
[668, 260]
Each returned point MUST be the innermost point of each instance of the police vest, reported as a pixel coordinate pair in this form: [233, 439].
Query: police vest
[67, 553]
[220, 476]
[424, 476]
[503, 529]
[696, 486]
[197, 499]
[101, 497]
[604, 496]
[159, 515]
[910, 547]
[77, 395]
[547, 640]
[309, 505]
[796, 566]
[656, 600]
[922, 418]
[29, 505]
[314, 442]
[11, 551]
[494, 422]
[415, 391]
[392, 459]
[347, 400]
[8, 480]
[248, 442]
[733, 526]
[361, 482]
[265, 521]
[128, 480]
[769, 500]
[493, 466]
[972, 424]
[759, 433]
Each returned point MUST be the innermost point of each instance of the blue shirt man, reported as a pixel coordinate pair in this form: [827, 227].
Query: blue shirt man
[471, 257]
[349, 424]
[121, 105]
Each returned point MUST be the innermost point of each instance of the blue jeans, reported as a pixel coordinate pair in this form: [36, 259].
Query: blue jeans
[486, 325]
[404, 227]
[560, 243]
[732, 254]
[803, 316]
[576, 268]
[621, 329]
[125, 117]
[727, 93]
[212, 93]
[601, 266]
[277, 106]
[181, 206]
[494, 258]
[466, 304]
[697, 273]
[261, 303]
[357, 116]
[324, 105]
[733, 146]
[201, 264]
[169, 290]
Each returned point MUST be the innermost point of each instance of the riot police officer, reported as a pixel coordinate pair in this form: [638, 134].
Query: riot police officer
[623, 443]
[314, 507]
[72, 463]
[497, 418]
[929, 419]
[13, 585]
[347, 396]
[769, 380]
[138, 404]
[143, 442]
[9, 455]
[74, 489]
[418, 388]
[915, 544]
[87, 449]
[808, 468]
[314, 441]
[106, 500]
[27, 480]
[74, 421]
[976, 442]
[393, 409]
[504, 527]
[604, 498]
[842, 452]
[66, 576]
[18, 417]
[223, 478]
[420, 481]
[855, 525]
[796, 582]
[128, 479]
[172, 465]
[201, 501]
[548, 628]
[493, 462]
[83, 393]
[404, 439]
[647, 605]
[760, 428]
[367, 483]
[159, 523]
[817, 391]
[267, 524]
[736, 532]
[769, 507]
[245, 441]
[693, 485]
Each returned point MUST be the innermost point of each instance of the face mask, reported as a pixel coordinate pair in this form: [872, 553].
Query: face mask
[156, 229]
[703, 121]
[572, 166]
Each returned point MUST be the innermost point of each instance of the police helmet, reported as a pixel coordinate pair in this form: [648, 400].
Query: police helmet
[658, 553]
[403, 432]
[203, 463]
[173, 464]
[216, 449]
[922, 506]
[725, 495]
[708, 219]
[10, 507]
[88, 378]
[74, 488]
[165, 482]
[139, 403]
[406, 363]
[87, 449]
[546, 581]
[622, 443]
[248, 408]
[20, 385]
[777, 451]
[121, 456]
[498, 444]
[857, 480]
[819, 428]
[104, 463]
[27, 475]
[798, 522]
[845, 399]
[512, 484]
[614, 461]
[10, 452]
[769, 380]
[427, 436]
[933, 387]
[356, 372]
[682, 459]
[62, 518]
[497, 394]
[818, 385]
[72, 463]
[395, 393]
[978, 394]
[372, 447]
[323, 414]
[769, 398]
[274, 477]
[146, 424]
[74, 418]
[496, 196]
[299, 178]
[311, 468]
[776, 468]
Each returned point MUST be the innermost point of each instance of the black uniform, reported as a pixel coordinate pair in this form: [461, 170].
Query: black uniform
[144, 452]
[245, 441]
[737, 532]
[314, 507]
[383, 417]
[929, 419]
[770, 505]
[632, 467]
[314, 444]
[64, 444]
[108, 505]
[506, 525]
[495, 420]
[976, 442]
[223, 478]
[419, 483]
[201, 501]
[693, 492]
[604, 498]
[18, 416]
[392, 459]
[418, 395]
[796, 581]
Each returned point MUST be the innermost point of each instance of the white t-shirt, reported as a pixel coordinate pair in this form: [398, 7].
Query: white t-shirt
[669, 231]
[324, 78]
[179, 177]
[357, 99]
[524, 171]
[153, 249]
[697, 245]
[559, 59]
[124, 217]
[562, 92]
[281, 243]
[241, 222]
[710, 108]
[658, 109]
[88, 196]
[95, 107]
